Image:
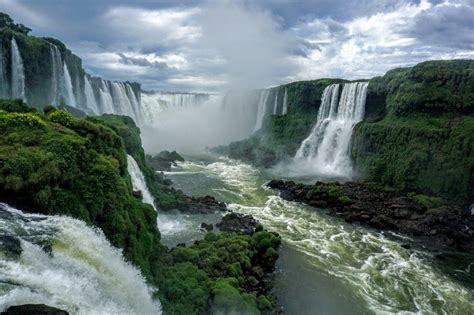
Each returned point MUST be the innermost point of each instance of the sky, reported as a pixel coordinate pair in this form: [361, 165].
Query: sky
[215, 45]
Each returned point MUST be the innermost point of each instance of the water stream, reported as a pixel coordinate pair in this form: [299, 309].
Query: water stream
[328, 266]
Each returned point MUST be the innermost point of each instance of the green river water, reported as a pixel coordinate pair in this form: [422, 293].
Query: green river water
[327, 266]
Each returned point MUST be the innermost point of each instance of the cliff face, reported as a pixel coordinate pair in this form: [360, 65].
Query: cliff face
[418, 134]
[282, 134]
[50, 74]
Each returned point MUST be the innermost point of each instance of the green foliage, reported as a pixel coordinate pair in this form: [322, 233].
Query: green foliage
[428, 154]
[430, 87]
[226, 299]
[281, 136]
[226, 260]
[126, 128]
[428, 201]
[7, 21]
[61, 117]
[61, 165]
[15, 106]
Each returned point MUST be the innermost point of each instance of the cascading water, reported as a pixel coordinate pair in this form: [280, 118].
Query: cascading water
[68, 89]
[4, 84]
[275, 106]
[106, 102]
[262, 108]
[90, 98]
[62, 262]
[154, 104]
[326, 150]
[138, 181]
[57, 75]
[17, 72]
[285, 103]
[122, 103]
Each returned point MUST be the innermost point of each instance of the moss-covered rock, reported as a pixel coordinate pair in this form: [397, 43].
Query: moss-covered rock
[419, 135]
[58, 164]
[280, 136]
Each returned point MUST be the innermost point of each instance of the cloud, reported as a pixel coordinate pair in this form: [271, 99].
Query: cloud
[370, 45]
[448, 24]
[23, 14]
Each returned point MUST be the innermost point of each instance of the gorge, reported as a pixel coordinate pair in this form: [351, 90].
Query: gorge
[327, 196]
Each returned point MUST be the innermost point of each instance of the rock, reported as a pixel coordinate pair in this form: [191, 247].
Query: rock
[203, 205]
[236, 222]
[10, 245]
[138, 194]
[207, 227]
[33, 309]
[448, 224]
[168, 182]
[406, 246]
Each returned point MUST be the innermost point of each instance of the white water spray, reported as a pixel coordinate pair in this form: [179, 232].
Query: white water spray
[262, 108]
[285, 103]
[326, 150]
[138, 181]
[17, 72]
[69, 92]
[275, 107]
[81, 273]
[90, 98]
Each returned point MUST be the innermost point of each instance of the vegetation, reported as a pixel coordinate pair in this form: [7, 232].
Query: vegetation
[420, 134]
[281, 136]
[54, 163]
[217, 274]
[57, 164]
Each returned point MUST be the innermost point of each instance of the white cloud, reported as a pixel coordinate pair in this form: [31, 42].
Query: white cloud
[370, 45]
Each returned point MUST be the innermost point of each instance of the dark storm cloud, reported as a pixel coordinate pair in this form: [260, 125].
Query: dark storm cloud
[448, 25]
[201, 45]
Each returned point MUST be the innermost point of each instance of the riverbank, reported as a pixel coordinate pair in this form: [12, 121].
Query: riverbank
[384, 209]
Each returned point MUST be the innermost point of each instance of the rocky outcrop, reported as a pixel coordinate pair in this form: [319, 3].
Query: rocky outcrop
[372, 205]
[236, 222]
[164, 160]
[33, 309]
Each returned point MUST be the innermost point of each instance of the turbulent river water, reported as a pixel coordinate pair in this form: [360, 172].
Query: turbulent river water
[327, 266]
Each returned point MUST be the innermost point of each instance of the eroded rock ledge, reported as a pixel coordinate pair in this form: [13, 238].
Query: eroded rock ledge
[369, 204]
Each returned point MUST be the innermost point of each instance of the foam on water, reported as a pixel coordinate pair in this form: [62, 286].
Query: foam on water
[82, 274]
[378, 270]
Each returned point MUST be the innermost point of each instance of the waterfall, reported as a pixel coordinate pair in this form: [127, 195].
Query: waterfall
[326, 149]
[121, 100]
[17, 72]
[134, 102]
[106, 102]
[155, 103]
[4, 84]
[63, 262]
[57, 74]
[69, 92]
[285, 102]
[275, 107]
[138, 181]
[261, 109]
[90, 98]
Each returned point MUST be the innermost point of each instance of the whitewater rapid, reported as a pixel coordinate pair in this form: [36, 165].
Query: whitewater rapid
[384, 276]
[66, 264]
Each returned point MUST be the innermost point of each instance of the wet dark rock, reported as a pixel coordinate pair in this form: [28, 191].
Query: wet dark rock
[167, 182]
[203, 205]
[236, 222]
[33, 309]
[138, 194]
[207, 227]
[383, 209]
[164, 160]
[10, 245]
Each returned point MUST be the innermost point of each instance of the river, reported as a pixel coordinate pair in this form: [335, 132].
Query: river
[326, 265]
